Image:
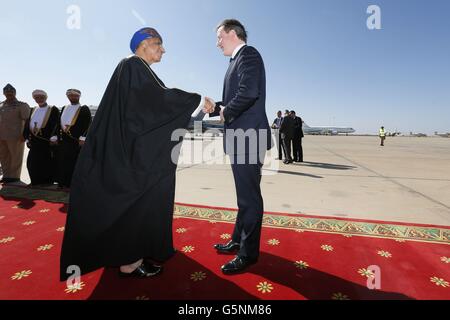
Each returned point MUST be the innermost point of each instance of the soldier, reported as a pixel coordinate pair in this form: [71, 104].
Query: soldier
[13, 114]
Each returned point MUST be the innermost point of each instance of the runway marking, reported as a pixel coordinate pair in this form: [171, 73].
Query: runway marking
[388, 179]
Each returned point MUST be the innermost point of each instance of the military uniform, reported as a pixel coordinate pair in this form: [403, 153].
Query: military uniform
[12, 118]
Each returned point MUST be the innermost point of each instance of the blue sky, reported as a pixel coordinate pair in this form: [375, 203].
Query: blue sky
[320, 57]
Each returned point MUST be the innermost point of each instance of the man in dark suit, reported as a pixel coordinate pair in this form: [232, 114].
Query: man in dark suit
[287, 134]
[276, 126]
[247, 138]
[298, 136]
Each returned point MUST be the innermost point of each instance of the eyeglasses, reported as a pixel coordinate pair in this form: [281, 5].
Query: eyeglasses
[158, 44]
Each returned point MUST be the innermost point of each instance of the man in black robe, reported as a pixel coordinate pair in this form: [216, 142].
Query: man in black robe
[123, 190]
[38, 130]
[73, 128]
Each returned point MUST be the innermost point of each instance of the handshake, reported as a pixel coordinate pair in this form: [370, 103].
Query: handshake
[209, 106]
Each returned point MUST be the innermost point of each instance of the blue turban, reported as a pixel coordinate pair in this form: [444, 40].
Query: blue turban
[141, 35]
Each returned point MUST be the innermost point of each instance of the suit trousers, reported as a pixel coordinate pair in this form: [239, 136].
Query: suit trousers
[298, 149]
[287, 142]
[280, 147]
[247, 229]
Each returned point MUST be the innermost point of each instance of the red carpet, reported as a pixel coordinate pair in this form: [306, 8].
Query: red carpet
[303, 257]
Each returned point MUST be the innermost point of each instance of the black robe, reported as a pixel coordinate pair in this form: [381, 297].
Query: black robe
[41, 157]
[123, 189]
[68, 146]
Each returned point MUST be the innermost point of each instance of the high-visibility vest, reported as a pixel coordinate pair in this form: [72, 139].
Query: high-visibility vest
[382, 133]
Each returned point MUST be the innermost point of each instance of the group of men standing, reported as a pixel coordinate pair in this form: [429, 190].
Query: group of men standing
[290, 128]
[54, 137]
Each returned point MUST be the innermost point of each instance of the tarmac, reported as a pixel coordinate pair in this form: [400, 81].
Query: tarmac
[407, 180]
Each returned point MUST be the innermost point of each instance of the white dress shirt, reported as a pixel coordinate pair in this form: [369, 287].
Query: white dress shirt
[37, 118]
[67, 117]
[202, 102]
[235, 52]
[68, 114]
[199, 108]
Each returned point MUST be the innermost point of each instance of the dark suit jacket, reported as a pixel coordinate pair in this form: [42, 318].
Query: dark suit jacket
[274, 123]
[298, 128]
[244, 99]
[287, 128]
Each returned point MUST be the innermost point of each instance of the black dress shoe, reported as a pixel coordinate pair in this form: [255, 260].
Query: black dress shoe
[152, 262]
[153, 268]
[230, 247]
[145, 270]
[237, 265]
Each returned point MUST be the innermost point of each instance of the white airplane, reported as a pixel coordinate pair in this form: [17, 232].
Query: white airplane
[326, 130]
[206, 123]
[394, 134]
[214, 123]
[420, 135]
[443, 135]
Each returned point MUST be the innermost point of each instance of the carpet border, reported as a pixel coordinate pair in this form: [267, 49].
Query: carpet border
[312, 223]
